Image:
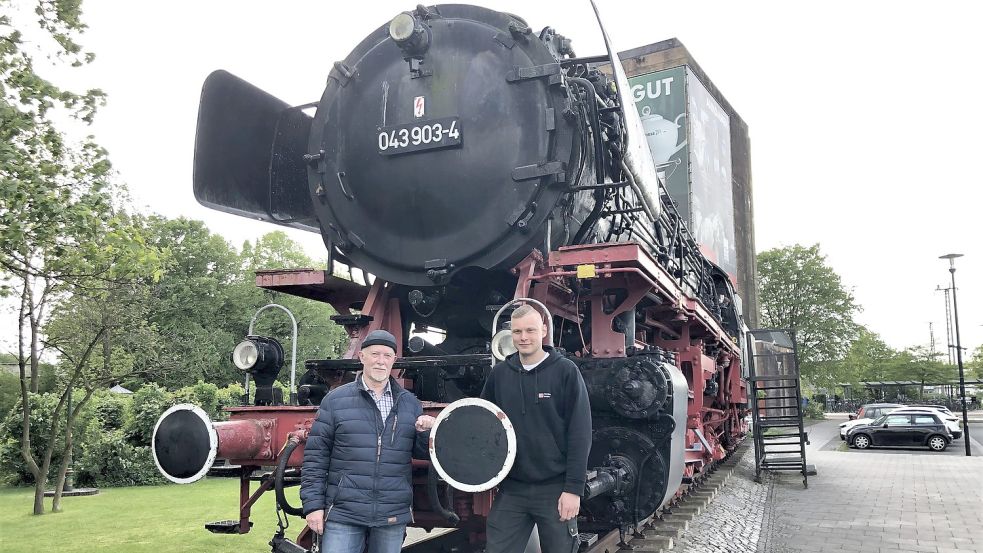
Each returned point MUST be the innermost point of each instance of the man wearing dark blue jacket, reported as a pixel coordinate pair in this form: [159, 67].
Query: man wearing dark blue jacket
[356, 479]
[545, 398]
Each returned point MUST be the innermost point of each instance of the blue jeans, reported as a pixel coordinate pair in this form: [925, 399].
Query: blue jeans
[348, 538]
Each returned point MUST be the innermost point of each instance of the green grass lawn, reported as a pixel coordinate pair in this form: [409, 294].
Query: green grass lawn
[160, 519]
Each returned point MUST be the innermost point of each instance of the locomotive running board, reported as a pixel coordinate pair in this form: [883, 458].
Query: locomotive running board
[621, 257]
[314, 284]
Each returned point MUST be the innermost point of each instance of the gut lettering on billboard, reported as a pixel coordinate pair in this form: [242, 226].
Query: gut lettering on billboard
[652, 89]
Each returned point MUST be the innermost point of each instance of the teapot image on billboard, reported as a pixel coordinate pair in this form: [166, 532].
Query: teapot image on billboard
[662, 135]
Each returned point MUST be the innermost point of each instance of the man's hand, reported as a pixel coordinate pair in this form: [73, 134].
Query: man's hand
[315, 519]
[568, 506]
[424, 423]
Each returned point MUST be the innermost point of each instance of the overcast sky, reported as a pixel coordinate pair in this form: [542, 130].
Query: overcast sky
[865, 117]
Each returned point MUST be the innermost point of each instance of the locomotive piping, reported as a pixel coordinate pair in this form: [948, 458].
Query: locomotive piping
[281, 468]
[435, 503]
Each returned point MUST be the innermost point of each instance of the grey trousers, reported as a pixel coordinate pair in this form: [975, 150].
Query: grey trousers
[517, 509]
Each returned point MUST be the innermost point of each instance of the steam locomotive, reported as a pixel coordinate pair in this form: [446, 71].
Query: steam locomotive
[467, 161]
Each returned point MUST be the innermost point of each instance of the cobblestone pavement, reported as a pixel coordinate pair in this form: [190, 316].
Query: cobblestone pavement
[733, 520]
[881, 502]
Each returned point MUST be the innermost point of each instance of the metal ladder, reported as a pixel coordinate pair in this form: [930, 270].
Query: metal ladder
[779, 433]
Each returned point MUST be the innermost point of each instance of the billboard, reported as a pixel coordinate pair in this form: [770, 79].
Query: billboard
[661, 101]
[688, 133]
[711, 194]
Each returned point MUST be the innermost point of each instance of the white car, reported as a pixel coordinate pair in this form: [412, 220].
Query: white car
[866, 415]
[950, 420]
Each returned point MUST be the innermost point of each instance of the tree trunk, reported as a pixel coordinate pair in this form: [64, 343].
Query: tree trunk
[63, 469]
[33, 322]
[41, 478]
[66, 457]
[25, 447]
[35, 372]
[67, 454]
[39, 496]
[25, 398]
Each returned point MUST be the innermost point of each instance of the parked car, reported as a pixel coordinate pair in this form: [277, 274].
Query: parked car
[942, 408]
[866, 414]
[951, 421]
[902, 430]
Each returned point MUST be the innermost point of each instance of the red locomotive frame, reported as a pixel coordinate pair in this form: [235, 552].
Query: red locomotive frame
[257, 436]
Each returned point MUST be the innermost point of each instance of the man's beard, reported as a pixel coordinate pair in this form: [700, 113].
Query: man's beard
[371, 373]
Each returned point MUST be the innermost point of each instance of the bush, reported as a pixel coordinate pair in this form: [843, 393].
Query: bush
[110, 460]
[9, 392]
[110, 410]
[230, 396]
[202, 394]
[813, 410]
[149, 403]
[13, 470]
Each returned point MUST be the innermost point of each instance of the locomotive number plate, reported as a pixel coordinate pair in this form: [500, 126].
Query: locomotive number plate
[420, 135]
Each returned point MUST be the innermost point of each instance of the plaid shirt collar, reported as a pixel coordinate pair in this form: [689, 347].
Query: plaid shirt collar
[387, 391]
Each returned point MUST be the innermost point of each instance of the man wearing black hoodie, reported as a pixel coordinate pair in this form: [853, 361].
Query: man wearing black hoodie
[544, 396]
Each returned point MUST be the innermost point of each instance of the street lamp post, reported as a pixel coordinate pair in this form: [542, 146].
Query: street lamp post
[959, 349]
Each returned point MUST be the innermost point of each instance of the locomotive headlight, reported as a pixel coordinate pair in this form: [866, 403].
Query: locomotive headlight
[412, 37]
[245, 355]
[257, 354]
[402, 27]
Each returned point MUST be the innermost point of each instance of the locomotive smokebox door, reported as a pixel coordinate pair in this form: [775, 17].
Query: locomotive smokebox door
[472, 445]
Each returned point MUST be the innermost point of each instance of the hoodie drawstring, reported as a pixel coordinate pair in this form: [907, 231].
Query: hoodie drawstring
[536, 387]
[522, 393]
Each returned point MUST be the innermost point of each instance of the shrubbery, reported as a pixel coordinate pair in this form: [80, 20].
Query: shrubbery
[13, 470]
[112, 461]
[111, 435]
[813, 410]
[148, 404]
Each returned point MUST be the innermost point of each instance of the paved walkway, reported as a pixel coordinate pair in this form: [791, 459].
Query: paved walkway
[887, 501]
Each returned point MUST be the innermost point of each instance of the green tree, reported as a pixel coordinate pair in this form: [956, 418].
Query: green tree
[62, 231]
[869, 359]
[921, 365]
[799, 291]
[275, 250]
[318, 337]
[149, 403]
[975, 363]
[200, 306]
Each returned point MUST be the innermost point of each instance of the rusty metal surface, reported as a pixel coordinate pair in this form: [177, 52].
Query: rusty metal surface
[282, 420]
[244, 439]
[314, 284]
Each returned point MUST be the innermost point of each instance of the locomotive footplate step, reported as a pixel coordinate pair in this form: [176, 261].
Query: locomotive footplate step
[586, 539]
[224, 526]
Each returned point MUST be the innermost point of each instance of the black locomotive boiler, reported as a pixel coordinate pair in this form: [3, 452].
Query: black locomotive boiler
[467, 161]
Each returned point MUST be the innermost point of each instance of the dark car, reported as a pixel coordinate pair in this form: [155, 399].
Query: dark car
[902, 430]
